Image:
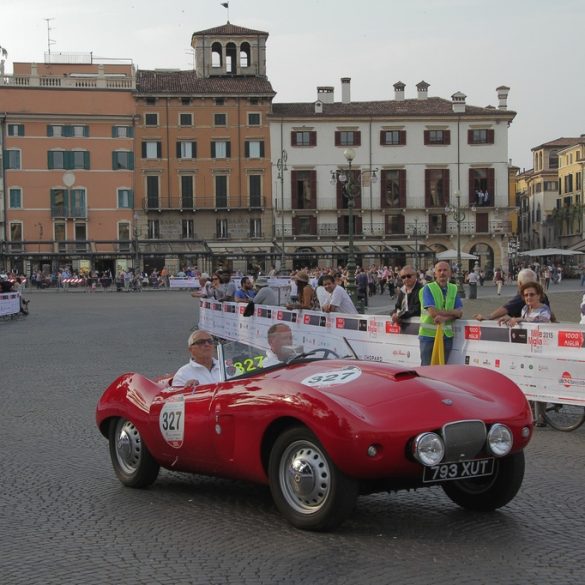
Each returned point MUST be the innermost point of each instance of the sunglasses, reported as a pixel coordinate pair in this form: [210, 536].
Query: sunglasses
[204, 342]
[530, 294]
[406, 275]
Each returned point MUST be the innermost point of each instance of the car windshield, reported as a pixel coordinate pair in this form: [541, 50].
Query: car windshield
[240, 359]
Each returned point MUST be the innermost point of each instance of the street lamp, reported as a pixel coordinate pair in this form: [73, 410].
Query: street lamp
[416, 244]
[136, 250]
[459, 217]
[350, 190]
[281, 166]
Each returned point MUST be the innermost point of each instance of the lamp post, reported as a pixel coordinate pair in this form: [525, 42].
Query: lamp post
[416, 244]
[281, 167]
[349, 191]
[459, 217]
[136, 250]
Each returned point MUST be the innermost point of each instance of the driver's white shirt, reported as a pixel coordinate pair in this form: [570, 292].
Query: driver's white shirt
[195, 371]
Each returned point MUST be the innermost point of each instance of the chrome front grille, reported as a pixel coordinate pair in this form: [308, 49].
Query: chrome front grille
[464, 439]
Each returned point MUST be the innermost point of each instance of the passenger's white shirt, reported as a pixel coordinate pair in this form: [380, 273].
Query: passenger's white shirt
[195, 371]
[271, 359]
[340, 299]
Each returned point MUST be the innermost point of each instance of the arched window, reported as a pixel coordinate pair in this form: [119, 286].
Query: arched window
[230, 58]
[245, 55]
[216, 55]
[553, 160]
[486, 256]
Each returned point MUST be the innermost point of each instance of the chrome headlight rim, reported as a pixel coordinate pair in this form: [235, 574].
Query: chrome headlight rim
[428, 449]
[500, 440]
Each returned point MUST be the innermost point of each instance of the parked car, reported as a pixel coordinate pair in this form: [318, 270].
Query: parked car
[320, 430]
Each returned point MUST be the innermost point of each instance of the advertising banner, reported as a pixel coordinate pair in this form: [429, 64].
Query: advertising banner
[547, 360]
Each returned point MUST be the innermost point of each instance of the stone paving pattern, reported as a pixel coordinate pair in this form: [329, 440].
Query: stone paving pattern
[67, 520]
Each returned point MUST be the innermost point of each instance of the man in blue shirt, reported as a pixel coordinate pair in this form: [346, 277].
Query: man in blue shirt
[441, 305]
[246, 291]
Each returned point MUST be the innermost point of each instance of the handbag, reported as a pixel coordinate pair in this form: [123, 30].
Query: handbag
[249, 310]
[438, 355]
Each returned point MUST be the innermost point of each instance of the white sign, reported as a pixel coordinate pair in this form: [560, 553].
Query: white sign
[171, 421]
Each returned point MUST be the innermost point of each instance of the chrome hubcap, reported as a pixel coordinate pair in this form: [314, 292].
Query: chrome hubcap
[128, 446]
[305, 477]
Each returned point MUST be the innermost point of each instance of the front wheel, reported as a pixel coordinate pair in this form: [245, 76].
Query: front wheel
[307, 488]
[131, 459]
[488, 493]
[563, 417]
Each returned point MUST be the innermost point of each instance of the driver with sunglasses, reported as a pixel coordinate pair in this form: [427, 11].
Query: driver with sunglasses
[202, 368]
[408, 301]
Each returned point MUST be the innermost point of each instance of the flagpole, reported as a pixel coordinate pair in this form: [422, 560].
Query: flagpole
[226, 5]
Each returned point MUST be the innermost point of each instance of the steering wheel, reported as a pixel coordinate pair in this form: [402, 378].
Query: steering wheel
[320, 350]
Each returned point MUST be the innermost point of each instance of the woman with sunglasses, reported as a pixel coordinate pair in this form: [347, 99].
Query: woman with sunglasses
[534, 309]
[202, 368]
[408, 301]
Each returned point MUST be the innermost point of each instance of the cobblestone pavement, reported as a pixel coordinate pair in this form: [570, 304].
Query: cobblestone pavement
[67, 520]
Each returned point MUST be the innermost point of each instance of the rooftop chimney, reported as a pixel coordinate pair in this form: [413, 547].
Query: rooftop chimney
[325, 94]
[503, 97]
[458, 100]
[345, 90]
[422, 89]
[399, 91]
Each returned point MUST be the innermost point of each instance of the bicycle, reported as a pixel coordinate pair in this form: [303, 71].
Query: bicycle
[562, 417]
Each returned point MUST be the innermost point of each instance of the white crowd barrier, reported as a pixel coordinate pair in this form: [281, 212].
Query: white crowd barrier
[183, 282]
[9, 304]
[546, 360]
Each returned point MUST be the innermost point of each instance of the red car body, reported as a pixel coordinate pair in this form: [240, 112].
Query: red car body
[360, 417]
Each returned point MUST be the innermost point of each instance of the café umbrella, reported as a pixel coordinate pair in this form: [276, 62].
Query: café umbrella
[452, 255]
[539, 252]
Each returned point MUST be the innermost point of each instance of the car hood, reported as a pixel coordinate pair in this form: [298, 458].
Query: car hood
[378, 392]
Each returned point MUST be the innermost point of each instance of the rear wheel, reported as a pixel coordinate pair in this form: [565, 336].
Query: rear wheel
[131, 459]
[488, 493]
[307, 488]
[563, 417]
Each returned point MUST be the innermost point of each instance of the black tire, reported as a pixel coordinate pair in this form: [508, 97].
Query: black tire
[563, 417]
[307, 488]
[131, 459]
[489, 493]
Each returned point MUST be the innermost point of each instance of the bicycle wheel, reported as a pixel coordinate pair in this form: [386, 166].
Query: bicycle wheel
[563, 417]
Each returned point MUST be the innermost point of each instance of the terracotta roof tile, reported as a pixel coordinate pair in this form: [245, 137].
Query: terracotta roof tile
[230, 29]
[562, 142]
[187, 82]
[432, 106]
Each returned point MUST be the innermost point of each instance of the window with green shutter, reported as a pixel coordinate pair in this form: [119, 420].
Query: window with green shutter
[122, 160]
[15, 198]
[125, 199]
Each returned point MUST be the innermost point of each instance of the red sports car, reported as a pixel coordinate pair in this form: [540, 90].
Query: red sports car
[321, 431]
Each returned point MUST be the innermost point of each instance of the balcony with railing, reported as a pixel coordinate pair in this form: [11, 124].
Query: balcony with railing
[181, 204]
[82, 72]
[411, 229]
[66, 212]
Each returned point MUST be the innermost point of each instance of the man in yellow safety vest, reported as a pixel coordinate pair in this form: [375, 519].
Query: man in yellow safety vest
[440, 305]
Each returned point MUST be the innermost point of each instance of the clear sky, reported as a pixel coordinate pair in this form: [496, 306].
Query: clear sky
[472, 46]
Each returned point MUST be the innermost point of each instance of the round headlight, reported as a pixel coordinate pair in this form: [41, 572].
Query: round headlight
[500, 440]
[429, 449]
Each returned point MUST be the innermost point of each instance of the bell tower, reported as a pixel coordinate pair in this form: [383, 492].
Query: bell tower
[230, 51]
